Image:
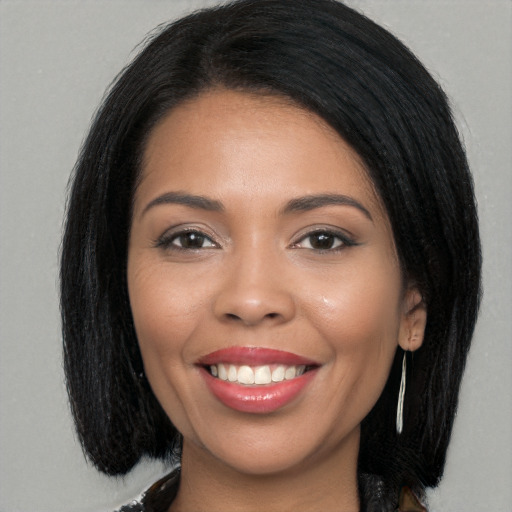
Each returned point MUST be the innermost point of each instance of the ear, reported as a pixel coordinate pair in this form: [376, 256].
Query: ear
[414, 320]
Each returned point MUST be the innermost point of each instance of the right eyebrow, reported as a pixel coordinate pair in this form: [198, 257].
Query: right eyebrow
[311, 202]
[190, 200]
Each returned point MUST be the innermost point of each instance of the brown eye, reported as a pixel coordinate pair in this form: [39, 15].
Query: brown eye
[186, 240]
[324, 240]
[190, 240]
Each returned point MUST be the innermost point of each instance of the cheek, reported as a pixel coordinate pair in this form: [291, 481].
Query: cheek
[164, 305]
[358, 315]
[359, 306]
[163, 317]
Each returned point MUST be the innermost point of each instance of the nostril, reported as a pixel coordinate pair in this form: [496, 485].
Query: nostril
[269, 316]
[252, 305]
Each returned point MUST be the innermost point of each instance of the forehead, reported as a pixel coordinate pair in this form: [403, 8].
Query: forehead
[249, 145]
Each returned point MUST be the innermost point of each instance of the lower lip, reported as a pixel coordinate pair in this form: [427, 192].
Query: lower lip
[257, 399]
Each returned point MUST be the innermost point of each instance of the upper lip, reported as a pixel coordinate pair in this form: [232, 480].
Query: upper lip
[254, 356]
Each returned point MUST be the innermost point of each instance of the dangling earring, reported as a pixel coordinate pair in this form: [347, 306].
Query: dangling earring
[401, 396]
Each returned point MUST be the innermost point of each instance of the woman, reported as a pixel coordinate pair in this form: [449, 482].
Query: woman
[271, 265]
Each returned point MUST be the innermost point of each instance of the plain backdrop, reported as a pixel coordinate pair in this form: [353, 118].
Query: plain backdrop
[57, 58]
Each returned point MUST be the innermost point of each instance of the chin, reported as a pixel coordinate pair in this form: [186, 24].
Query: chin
[272, 449]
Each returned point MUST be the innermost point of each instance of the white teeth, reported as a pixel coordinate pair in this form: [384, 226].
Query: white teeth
[245, 375]
[278, 374]
[258, 375]
[223, 374]
[290, 372]
[262, 375]
[232, 373]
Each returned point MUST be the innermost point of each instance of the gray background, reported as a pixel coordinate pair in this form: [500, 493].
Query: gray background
[57, 57]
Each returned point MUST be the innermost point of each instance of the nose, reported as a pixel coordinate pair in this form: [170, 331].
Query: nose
[255, 291]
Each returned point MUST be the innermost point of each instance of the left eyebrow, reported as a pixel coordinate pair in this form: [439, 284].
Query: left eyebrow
[192, 201]
[311, 202]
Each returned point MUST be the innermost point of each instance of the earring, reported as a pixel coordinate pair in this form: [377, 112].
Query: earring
[401, 396]
[140, 375]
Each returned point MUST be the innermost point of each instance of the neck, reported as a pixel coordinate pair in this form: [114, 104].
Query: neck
[326, 482]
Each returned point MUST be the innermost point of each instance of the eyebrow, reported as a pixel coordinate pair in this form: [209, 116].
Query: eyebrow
[192, 201]
[311, 202]
[299, 204]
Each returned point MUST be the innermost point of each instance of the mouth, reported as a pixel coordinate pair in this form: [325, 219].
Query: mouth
[246, 375]
[256, 380]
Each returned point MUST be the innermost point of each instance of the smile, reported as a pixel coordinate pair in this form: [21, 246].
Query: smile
[256, 380]
[259, 375]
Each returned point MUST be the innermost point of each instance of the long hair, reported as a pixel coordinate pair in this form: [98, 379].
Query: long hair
[335, 62]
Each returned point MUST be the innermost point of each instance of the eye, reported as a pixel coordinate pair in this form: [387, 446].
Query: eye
[324, 240]
[186, 240]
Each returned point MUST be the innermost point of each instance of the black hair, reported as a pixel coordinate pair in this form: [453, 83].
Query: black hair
[335, 62]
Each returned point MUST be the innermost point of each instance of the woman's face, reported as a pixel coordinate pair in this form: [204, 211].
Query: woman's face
[264, 283]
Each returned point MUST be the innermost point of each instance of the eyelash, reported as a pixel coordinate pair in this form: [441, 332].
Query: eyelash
[344, 241]
[167, 240]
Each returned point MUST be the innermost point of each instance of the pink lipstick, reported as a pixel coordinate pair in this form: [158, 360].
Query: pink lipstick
[256, 380]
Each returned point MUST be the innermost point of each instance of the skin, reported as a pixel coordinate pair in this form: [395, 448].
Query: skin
[259, 280]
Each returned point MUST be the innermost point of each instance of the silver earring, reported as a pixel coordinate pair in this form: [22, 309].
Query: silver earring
[401, 396]
[139, 375]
